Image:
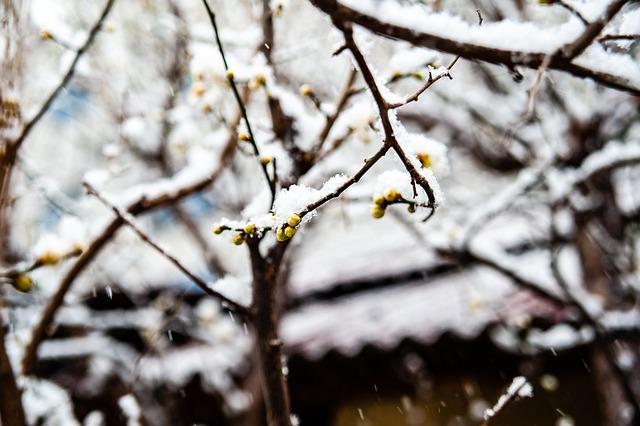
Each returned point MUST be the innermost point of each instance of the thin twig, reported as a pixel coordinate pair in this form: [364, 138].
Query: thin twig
[383, 109]
[241, 105]
[574, 11]
[344, 97]
[130, 221]
[68, 75]
[369, 162]
[144, 204]
[600, 334]
[430, 82]
[591, 32]
[612, 37]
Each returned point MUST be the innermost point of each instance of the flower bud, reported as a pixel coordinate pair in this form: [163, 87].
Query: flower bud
[23, 283]
[380, 201]
[238, 239]
[280, 235]
[391, 195]
[289, 232]
[250, 229]
[293, 220]
[305, 90]
[425, 160]
[377, 211]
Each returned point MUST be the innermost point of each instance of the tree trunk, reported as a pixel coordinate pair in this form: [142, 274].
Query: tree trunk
[265, 286]
[11, 411]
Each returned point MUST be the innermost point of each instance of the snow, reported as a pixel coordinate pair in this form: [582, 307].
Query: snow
[506, 35]
[130, 409]
[297, 197]
[519, 388]
[235, 288]
[561, 336]
[464, 304]
[48, 404]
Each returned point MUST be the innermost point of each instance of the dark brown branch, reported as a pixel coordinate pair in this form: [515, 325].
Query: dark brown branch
[265, 287]
[141, 206]
[430, 82]
[509, 58]
[592, 31]
[11, 410]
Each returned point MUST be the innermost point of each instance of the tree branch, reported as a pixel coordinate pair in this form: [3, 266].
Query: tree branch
[509, 58]
[129, 220]
[68, 75]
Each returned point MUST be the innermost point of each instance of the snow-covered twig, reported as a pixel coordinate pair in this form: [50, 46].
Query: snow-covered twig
[519, 388]
[128, 219]
[486, 52]
[142, 204]
[430, 82]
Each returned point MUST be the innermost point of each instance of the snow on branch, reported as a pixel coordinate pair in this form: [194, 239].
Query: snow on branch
[496, 43]
[518, 389]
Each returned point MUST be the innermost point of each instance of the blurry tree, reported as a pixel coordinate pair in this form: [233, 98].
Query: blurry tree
[193, 111]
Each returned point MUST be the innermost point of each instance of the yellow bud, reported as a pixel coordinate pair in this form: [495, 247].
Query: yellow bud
[250, 228]
[257, 81]
[425, 160]
[46, 35]
[380, 201]
[244, 137]
[305, 90]
[50, 258]
[218, 230]
[289, 232]
[238, 239]
[206, 108]
[230, 75]
[377, 211]
[293, 219]
[23, 283]
[197, 89]
[280, 235]
[391, 195]
[411, 208]
[265, 160]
